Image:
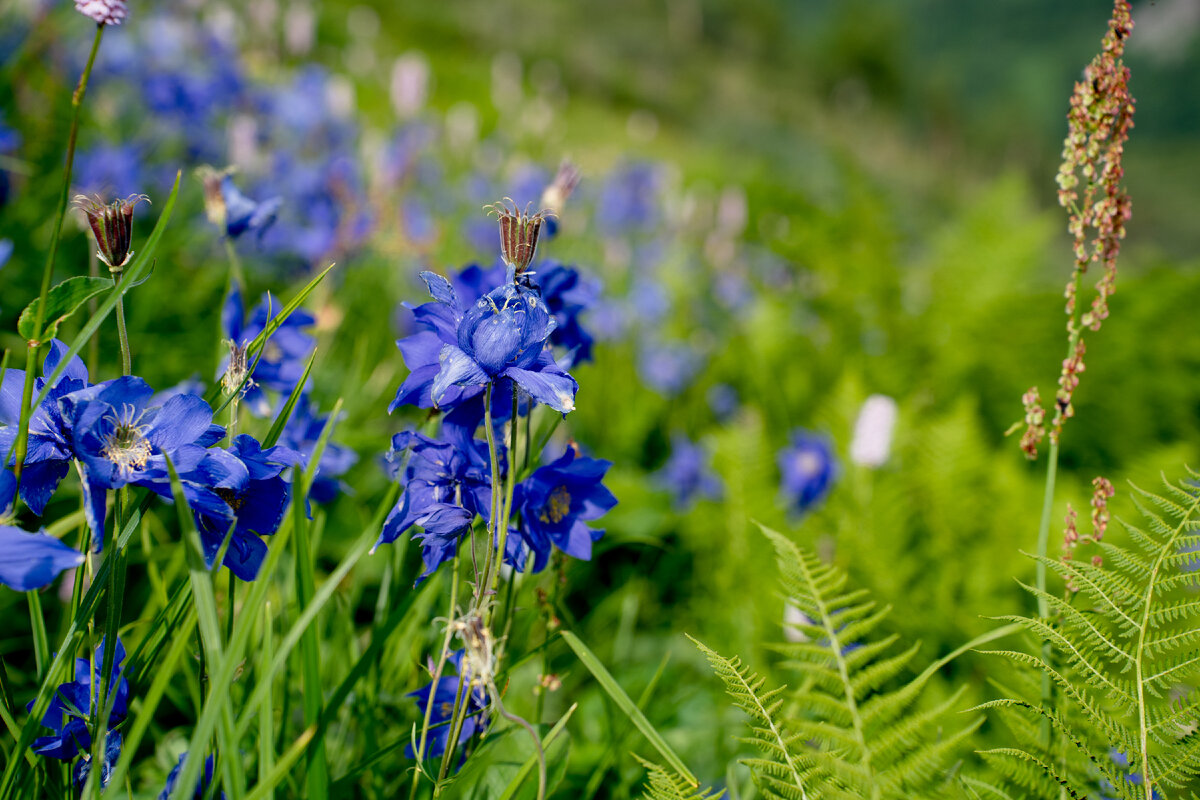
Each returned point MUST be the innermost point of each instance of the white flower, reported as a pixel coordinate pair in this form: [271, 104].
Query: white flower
[872, 443]
[104, 12]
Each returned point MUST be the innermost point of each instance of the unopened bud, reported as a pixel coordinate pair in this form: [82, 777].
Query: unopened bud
[519, 232]
[112, 225]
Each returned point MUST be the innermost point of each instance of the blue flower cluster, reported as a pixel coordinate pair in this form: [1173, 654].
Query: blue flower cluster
[73, 707]
[493, 332]
[445, 695]
[808, 468]
[119, 434]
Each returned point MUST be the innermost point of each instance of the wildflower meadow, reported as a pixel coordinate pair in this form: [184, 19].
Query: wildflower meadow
[668, 400]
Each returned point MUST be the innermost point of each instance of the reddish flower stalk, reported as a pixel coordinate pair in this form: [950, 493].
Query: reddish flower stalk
[1089, 187]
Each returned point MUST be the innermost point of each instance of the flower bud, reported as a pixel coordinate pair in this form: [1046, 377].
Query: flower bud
[104, 12]
[518, 234]
[112, 225]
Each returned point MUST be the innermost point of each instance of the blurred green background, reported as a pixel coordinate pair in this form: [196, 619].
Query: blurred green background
[895, 160]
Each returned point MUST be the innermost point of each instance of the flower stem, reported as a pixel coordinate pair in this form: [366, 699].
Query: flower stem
[48, 272]
[235, 263]
[437, 676]
[122, 334]
[509, 488]
[481, 588]
[1043, 543]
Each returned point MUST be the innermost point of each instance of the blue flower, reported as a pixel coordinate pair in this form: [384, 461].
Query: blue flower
[119, 440]
[629, 199]
[111, 170]
[557, 500]
[421, 350]
[503, 335]
[723, 401]
[1121, 761]
[445, 693]
[206, 779]
[668, 368]
[447, 483]
[284, 356]
[50, 447]
[257, 503]
[567, 295]
[243, 214]
[301, 434]
[76, 702]
[31, 560]
[808, 468]
[688, 473]
[112, 752]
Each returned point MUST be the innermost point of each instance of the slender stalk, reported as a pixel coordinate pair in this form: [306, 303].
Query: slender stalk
[456, 723]
[93, 358]
[122, 334]
[115, 595]
[509, 489]
[48, 272]
[235, 263]
[437, 676]
[494, 509]
[37, 620]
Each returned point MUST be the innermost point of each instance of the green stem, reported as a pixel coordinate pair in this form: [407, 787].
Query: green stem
[22, 445]
[122, 334]
[37, 620]
[235, 263]
[437, 675]
[48, 271]
[509, 489]
[115, 595]
[494, 509]
[76, 104]
[456, 723]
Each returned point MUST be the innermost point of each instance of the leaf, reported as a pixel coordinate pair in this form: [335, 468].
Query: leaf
[62, 301]
[623, 701]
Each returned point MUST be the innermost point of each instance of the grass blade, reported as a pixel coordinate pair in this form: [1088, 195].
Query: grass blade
[623, 701]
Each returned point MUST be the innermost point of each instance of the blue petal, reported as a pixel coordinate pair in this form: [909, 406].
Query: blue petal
[183, 420]
[32, 560]
[459, 369]
[554, 388]
[75, 369]
[441, 290]
[38, 482]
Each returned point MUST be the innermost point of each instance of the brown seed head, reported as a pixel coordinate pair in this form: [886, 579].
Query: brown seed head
[112, 225]
[518, 232]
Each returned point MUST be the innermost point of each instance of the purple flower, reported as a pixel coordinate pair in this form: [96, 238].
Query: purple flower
[301, 434]
[206, 779]
[808, 467]
[567, 295]
[502, 336]
[557, 501]
[104, 12]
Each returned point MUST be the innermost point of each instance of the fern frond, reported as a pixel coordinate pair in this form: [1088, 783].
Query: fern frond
[746, 689]
[664, 784]
[1123, 647]
[854, 730]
